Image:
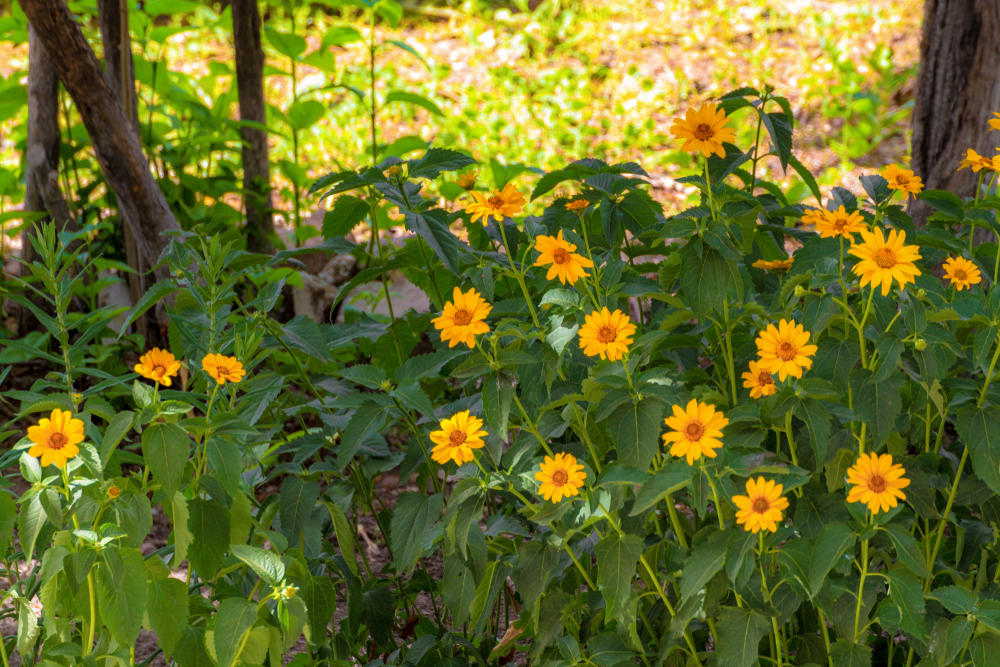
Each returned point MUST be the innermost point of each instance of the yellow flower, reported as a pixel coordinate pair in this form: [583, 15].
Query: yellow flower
[696, 431]
[463, 317]
[902, 179]
[566, 265]
[877, 482]
[459, 435]
[560, 476]
[56, 438]
[467, 181]
[577, 204]
[158, 365]
[773, 264]
[222, 368]
[761, 508]
[501, 204]
[975, 161]
[114, 492]
[884, 260]
[606, 334]
[703, 130]
[961, 273]
[759, 380]
[813, 216]
[995, 122]
[783, 349]
[840, 223]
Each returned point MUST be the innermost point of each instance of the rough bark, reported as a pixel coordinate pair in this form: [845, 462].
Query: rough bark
[119, 72]
[250, 84]
[958, 85]
[116, 143]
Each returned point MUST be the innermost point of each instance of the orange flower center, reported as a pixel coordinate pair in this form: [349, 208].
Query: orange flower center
[838, 224]
[462, 317]
[786, 351]
[560, 477]
[703, 132]
[496, 201]
[760, 505]
[885, 258]
[960, 274]
[607, 334]
[57, 440]
[902, 179]
[560, 256]
[694, 431]
[159, 369]
[877, 483]
[764, 378]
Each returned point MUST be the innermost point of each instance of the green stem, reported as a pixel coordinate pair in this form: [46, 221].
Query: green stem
[385, 283]
[715, 496]
[585, 436]
[730, 362]
[675, 521]
[826, 636]
[579, 566]
[708, 186]
[944, 518]
[861, 329]
[532, 427]
[861, 586]
[519, 275]
[412, 425]
[989, 373]
[767, 594]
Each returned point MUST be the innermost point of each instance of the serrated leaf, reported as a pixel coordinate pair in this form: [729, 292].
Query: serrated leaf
[617, 556]
[233, 620]
[740, 632]
[414, 528]
[436, 160]
[165, 450]
[980, 431]
[347, 212]
[266, 564]
[636, 431]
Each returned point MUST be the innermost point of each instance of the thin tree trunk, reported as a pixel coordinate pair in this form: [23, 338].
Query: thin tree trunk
[120, 74]
[250, 83]
[115, 140]
[958, 85]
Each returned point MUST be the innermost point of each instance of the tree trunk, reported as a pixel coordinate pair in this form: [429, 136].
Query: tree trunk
[116, 142]
[119, 72]
[958, 85]
[250, 83]
[42, 192]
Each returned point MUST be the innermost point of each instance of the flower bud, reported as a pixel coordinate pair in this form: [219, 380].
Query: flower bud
[920, 344]
[800, 291]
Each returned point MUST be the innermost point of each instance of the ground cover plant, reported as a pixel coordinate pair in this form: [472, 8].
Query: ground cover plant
[758, 429]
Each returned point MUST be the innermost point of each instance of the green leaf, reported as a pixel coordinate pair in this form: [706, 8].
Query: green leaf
[674, 476]
[226, 463]
[944, 202]
[208, 522]
[345, 536]
[779, 128]
[980, 431]
[30, 521]
[617, 556]
[414, 528]
[432, 227]
[848, 654]
[955, 599]
[984, 648]
[486, 593]
[167, 611]
[347, 212]
[740, 632]
[878, 404]
[414, 99]
[988, 614]
[119, 427]
[232, 622]
[287, 44]
[436, 160]
[365, 421]
[304, 114]
[708, 280]
[907, 550]
[266, 564]
[831, 543]
[153, 295]
[807, 177]
[165, 450]
[458, 589]
[121, 592]
[705, 560]
[8, 518]
[424, 366]
[27, 628]
[296, 503]
[497, 397]
[321, 603]
[636, 432]
[906, 592]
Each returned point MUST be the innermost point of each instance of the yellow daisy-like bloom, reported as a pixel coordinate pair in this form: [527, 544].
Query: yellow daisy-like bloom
[56, 438]
[499, 205]
[902, 179]
[223, 369]
[812, 216]
[577, 205]
[459, 435]
[703, 130]
[467, 181]
[877, 482]
[696, 431]
[606, 334]
[463, 318]
[158, 365]
[840, 223]
[784, 349]
[961, 273]
[759, 380]
[975, 161]
[884, 260]
[773, 264]
[761, 508]
[995, 122]
[560, 476]
[566, 265]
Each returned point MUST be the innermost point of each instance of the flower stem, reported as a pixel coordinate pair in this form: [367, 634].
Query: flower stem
[519, 275]
[861, 329]
[708, 186]
[944, 518]
[730, 363]
[715, 496]
[861, 586]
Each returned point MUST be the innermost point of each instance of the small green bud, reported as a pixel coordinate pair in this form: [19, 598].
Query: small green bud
[800, 291]
[920, 344]
[921, 293]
